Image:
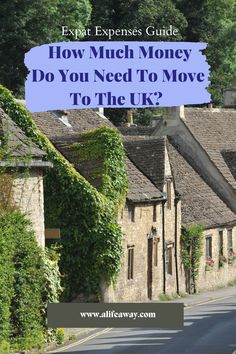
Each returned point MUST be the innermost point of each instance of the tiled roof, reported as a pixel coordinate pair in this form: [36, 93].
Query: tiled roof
[215, 130]
[86, 168]
[133, 130]
[16, 142]
[230, 158]
[199, 203]
[149, 157]
[80, 121]
[140, 188]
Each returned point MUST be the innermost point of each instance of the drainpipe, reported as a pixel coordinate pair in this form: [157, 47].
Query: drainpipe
[176, 245]
[163, 245]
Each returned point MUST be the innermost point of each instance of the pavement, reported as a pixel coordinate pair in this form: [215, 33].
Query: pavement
[208, 296]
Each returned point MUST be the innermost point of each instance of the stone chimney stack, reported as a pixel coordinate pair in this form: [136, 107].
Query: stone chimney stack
[130, 119]
[230, 96]
[173, 115]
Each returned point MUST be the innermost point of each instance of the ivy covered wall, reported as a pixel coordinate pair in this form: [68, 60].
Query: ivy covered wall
[91, 239]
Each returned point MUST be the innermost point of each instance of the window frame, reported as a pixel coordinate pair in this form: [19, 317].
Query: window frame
[169, 259]
[130, 269]
[131, 213]
[230, 245]
[221, 242]
[208, 247]
[168, 193]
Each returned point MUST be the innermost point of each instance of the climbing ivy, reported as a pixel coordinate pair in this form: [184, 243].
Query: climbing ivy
[90, 236]
[191, 251]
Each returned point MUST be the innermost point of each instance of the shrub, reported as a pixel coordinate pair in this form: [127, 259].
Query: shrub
[28, 280]
[86, 217]
[4, 347]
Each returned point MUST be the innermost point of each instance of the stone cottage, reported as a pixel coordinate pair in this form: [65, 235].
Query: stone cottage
[181, 171]
[22, 168]
[201, 145]
[150, 220]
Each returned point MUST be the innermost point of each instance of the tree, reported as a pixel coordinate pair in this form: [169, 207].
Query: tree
[28, 23]
[214, 22]
[137, 14]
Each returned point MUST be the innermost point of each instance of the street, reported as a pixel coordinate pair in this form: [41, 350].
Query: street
[208, 329]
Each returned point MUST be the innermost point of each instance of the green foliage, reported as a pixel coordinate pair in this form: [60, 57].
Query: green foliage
[137, 14]
[28, 279]
[142, 116]
[90, 236]
[105, 145]
[214, 22]
[191, 251]
[21, 266]
[232, 282]
[60, 335]
[4, 347]
[168, 297]
[31, 23]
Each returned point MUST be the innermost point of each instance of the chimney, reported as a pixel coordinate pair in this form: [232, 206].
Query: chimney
[173, 115]
[230, 96]
[101, 110]
[130, 119]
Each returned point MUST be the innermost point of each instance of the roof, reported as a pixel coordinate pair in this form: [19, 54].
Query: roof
[141, 189]
[18, 146]
[149, 157]
[215, 130]
[136, 130]
[199, 203]
[230, 159]
[80, 121]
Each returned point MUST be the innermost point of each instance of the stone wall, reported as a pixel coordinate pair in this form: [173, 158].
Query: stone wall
[149, 279]
[136, 234]
[217, 276]
[28, 196]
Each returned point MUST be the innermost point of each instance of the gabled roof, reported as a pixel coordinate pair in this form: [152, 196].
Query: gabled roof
[80, 121]
[199, 203]
[215, 130]
[141, 189]
[149, 157]
[18, 149]
[15, 140]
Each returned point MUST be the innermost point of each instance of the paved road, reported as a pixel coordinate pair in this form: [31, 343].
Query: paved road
[209, 329]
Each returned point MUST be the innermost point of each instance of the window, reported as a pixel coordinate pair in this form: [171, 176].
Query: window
[154, 215]
[131, 262]
[230, 240]
[209, 246]
[168, 191]
[131, 212]
[155, 249]
[169, 259]
[221, 244]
